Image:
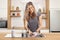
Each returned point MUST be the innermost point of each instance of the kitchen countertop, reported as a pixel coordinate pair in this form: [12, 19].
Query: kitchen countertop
[49, 36]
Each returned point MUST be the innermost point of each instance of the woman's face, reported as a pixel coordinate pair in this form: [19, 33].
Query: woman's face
[31, 9]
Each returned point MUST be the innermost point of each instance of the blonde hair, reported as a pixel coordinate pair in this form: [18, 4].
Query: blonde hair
[27, 13]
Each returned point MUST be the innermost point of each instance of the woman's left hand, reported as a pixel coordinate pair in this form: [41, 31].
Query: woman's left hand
[30, 32]
[37, 31]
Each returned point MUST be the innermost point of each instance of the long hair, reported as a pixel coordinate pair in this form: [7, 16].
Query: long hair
[27, 13]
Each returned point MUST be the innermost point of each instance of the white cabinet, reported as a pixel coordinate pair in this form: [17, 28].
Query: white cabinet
[55, 20]
[3, 8]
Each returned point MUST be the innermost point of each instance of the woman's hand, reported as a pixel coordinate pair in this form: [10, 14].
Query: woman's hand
[37, 31]
[30, 32]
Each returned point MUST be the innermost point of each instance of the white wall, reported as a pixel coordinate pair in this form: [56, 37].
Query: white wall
[54, 3]
[18, 22]
[3, 9]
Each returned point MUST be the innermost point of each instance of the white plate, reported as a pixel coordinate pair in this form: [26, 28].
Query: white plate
[15, 35]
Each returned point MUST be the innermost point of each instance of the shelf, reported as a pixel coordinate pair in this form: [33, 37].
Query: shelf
[15, 10]
[14, 16]
[21, 28]
[43, 13]
[44, 18]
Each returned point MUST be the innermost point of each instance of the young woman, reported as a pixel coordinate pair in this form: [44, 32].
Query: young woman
[32, 20]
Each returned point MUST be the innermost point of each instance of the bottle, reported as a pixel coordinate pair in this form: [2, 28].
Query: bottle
[12, 32]
[22, 35]
[12, 8]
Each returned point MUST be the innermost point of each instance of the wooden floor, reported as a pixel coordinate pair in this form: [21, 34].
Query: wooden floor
[49, 36]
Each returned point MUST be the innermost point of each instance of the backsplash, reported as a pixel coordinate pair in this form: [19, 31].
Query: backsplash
[4, 18]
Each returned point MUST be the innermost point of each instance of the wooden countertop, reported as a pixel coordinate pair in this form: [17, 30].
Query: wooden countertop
[49, 36]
